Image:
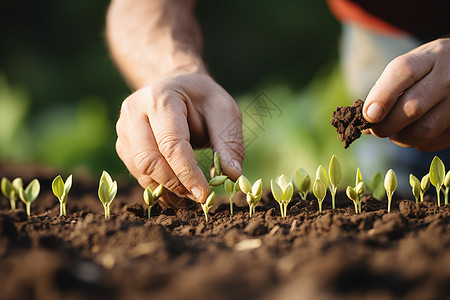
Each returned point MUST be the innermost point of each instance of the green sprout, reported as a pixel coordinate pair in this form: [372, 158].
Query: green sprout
[282, 191]
[29, 194]
[218, 178]
[424, 185]
[208, 204]
[376, 186]
[231, 188]
[253, 193]
[447, 186]
[61, 191]
[355, 194]
[320, 191]
[437, 176]
[302, 183]
[11, 190]
[335, 175]
[107, 191]
[150, 197]
[390, 184]
[415, 185]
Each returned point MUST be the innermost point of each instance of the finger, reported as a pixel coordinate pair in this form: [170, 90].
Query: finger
[399, 75]
[440, 142]
[413, 104]
[168, 119]
[225, 131]
[427, 128]
[140, 153]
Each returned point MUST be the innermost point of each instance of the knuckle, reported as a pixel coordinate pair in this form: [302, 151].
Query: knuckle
[405, 66]
[413, 106]
[172, 184]
[170, 145]
[426, 129]
[146, 163]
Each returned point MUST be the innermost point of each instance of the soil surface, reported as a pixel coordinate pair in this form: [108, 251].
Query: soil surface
[334, 254]
[349, 122]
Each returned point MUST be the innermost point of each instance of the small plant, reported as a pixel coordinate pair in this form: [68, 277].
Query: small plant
[253, 193]
[11, 190]
[376, 186]
[320, 191]
[335, 176]
[355, 195]
[30, 194]
[107, 191]
[61, 191]
[302, 183]
[424, 185]
[415, 185]
[447, 186]
[231, 188]
[208, 204]
[437, 176]
[282, 191]
[218, 178]
[150, 197]
[390, 184]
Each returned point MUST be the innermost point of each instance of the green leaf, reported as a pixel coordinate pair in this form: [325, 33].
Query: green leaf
[17, 184]
[250, 198]
[321, 174]
[358, 177]
[306, 186]
[229, 186]
[288, 192]
[415, 184]
[360, 189]
[447, 179]
[334, 171]
[277, 192]
[103, 191]
[319, 189]
[298, 178]
[376, 186]
[425, 183]
[112, 192]
[351, 193]
[106, 178]
[257, 187]
[217, 180]
[157, 193]
[244, 184]
[147, 195]
[6, 187]
[390, 181]
[68, 184]
[31, 192]
[210, 200]
[283, 181]
[437, 172]
[58, 186]
[217, 165]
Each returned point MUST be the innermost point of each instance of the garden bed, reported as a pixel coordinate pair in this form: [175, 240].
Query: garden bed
[335, 254]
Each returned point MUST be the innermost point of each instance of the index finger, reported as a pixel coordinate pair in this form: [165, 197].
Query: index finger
[398, 76]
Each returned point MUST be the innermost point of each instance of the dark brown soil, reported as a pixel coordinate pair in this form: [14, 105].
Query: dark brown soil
[349, 122]
[176, 255]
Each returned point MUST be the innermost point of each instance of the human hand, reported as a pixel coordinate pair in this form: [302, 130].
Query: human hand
[161, 123]
[410, 102]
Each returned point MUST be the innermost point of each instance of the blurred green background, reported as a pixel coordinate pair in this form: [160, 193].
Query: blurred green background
[60, 93]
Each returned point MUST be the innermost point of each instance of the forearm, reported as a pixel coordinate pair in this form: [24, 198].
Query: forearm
[150, 39]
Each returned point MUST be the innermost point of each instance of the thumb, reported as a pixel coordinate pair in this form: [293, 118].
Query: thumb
[225, 132]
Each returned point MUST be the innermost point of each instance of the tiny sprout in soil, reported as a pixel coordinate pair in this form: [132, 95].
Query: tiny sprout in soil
[437, 176]
[107, 191]
[253, 193]
[302, 183]
[11, 190]
[61, 191]
[282, 191]
[319, 191]
[218, 178]
[208, 204]
[150, 197]
[335, 176]
[30, 194]
[447, 186]
[419, 187]
[390, 184]
[231, 188]
[355, 193]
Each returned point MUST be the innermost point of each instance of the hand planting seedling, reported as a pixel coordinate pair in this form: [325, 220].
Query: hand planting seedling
[208, 204]
[390, 184]
[320, 191]
[107, 191]
[447, 186]
[282, 191]
[231, 188]
[253, 193]
[11, 190]
[335, 176]
[302, 183]
[150, 197]
[61, 190]
[437, 176]
[30, 194]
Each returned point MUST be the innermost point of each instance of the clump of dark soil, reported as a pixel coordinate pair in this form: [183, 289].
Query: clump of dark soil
[335, 254]
[349, 122]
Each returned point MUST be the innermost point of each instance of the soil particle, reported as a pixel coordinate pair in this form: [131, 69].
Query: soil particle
[349, 122]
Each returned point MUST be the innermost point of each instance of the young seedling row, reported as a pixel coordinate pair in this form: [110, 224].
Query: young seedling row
[282, 188]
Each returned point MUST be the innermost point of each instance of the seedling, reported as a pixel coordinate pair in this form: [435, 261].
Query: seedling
[437, 176]
[253, 193]
[415, 185]
[335, 175]
[231, 188]
[352, 195]
[30, 194]
[390, 184]
[208, 204]
[447, 186]
[320, 191]
[302, 183]
[218, 178]
[11, 190]
[282, 191]
[424, 185]
[107, 191]
[61, 190]
[376, 186]
[150, 197]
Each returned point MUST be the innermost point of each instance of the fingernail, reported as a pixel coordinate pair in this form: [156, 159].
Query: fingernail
[236, 165]
[374, 112]
[197, 193]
